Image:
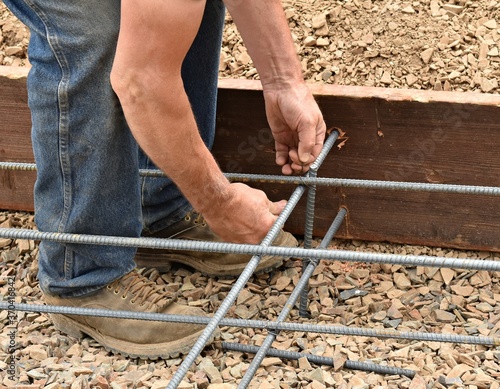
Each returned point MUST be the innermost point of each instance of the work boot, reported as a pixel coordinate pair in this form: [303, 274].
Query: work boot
[193, 227]
[132, 338]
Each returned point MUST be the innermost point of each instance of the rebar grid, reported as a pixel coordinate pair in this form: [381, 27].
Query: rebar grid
[296, 293]
[313, 256]
[234, 292]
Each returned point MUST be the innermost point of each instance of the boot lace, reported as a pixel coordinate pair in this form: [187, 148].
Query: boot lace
[144, 291]
[198, 218]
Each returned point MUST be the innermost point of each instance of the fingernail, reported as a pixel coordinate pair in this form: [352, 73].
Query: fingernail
[305, 158]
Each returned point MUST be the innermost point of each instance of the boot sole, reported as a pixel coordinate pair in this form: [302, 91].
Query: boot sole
[162, 262]
[154, 351]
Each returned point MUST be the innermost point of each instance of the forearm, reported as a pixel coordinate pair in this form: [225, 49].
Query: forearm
[266, 34]
[163, 124]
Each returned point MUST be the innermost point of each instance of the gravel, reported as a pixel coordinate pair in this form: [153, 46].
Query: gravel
[416, 44]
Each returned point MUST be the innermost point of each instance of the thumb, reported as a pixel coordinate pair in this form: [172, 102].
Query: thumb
[277, 207]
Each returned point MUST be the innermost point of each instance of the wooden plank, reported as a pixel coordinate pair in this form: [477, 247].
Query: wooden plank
[405, 135]
[16, 188]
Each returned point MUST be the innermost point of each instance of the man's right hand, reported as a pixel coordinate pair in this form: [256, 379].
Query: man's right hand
[246, 217]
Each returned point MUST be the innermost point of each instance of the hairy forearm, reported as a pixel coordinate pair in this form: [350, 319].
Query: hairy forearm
[266, 34]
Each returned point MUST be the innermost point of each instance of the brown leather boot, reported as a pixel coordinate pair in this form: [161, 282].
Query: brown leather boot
[133, 338]
[194, 227]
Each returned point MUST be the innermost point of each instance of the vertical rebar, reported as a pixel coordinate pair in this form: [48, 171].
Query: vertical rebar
[303, 282]
[309, 225]
[235, 290]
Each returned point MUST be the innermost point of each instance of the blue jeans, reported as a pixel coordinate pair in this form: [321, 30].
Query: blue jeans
[87, 159]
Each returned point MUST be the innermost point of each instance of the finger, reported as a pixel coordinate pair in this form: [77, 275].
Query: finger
[287, 169]
[307, 140]
[281, 153]
[299, 169]
[294, 158]
[277, 207]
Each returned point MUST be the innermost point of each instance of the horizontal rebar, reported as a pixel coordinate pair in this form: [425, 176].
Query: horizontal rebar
[321, 360]
[235, 248]
[332, 329]
[322, 181]
[290, 303]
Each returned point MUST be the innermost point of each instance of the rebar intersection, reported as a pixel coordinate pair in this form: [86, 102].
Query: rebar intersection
[310, 260]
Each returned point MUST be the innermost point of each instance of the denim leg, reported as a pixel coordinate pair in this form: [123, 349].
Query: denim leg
[87, 159]
[162, 201]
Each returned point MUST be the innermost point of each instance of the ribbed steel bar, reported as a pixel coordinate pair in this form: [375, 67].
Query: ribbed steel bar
[322, 181]
[294, 296]
[308, 233]
[259, 324]
[320, 360]
[309, 222]
[233, 248]
[235, 290]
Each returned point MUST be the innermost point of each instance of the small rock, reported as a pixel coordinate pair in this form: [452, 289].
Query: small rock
[37, 352]
[453, 8]
[318, 21]
[450, 381]
[408, 10]
[417, 383]
[465, 291]
[310, 41]
[213, 374]
[426, 55]
[347, 294]
[485, 307]
[290, 13]
[458, 371]
[75, 350]
[322, 42]
[411, 79]
[386, 78]
[444, 316]
[379, 316]
[271, 361]
[447, 275]
[304, 364]
[401, 281]
[491, 24]
[394, 313]
[488, 85]
[13, 50]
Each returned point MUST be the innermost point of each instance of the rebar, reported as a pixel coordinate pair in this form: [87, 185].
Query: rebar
[234, 248]
[321, 360]
[309, 223]
[334, 329]
[322, 181]
[296, 293]
[235, 290]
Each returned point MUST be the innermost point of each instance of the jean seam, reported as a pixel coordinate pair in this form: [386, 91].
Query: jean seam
[62, 94]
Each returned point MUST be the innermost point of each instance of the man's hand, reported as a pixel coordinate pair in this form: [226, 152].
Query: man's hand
[297, 125]
[294, 116]
[246, 217]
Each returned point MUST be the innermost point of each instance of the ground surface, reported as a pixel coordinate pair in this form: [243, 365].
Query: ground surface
[415, 44]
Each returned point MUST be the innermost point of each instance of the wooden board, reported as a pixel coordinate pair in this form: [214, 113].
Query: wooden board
[16, 188]
[404, 135]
